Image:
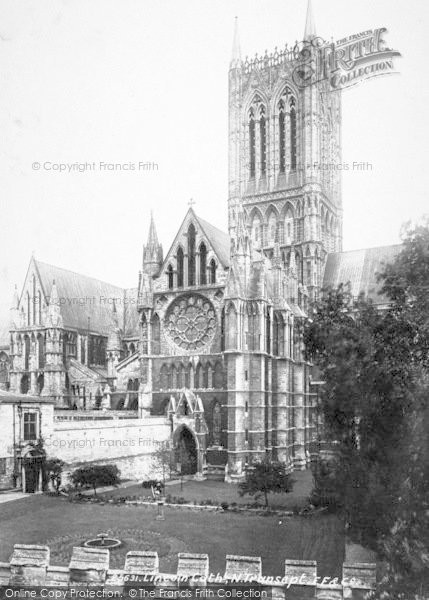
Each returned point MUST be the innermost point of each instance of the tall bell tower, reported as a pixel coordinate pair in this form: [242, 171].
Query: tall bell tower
[285, 156]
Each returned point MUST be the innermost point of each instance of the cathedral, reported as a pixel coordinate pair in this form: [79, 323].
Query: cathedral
[211, 337]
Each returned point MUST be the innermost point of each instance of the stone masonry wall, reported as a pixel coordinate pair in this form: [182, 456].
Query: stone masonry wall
[30, 566]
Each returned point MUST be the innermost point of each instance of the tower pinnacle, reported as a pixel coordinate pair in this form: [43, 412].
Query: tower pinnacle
[236, 52]
[152, 250]
[310, 26]
[152, 238]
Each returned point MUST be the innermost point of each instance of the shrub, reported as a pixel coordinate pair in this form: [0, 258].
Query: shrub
[224, 506]
[95, 476]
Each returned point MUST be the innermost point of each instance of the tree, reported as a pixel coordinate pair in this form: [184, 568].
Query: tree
[96, 476]
[266, 477]
[54, 468]
[374, 401]
[162, 459]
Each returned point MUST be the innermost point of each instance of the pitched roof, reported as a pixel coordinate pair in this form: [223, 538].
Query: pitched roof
[360, 269]
[86, 303]
[219, 240]
[131, 316]
[13, 397]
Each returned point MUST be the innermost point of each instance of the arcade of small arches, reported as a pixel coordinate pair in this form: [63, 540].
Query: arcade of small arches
[4, 370]
[273, 334]
[129, 348]
[27, 346]
[283, 131]
[205, 375]
[292, 225]
[34, 306]
[191, 266]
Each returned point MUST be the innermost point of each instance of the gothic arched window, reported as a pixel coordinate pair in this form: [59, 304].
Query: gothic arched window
[26, 352]
[163, 378]
[292, 119]
[180, 263]
[218, 376]
[188, 370]
[217, 423]
[263, 139]
[34, 300]
[191, 254]
[203, 264]
[199, 376]
[256, 231]
[282, 137]
[156, 335]
[268, 326]
[41, 350]
[170, 277]
[180, 376]
[252, 143]
[275, 336]
[288, 227]
[212, 271]
[272, 228]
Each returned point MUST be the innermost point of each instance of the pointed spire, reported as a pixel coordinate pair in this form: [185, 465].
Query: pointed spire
[236, 52]
[152, 250]
[152, 238]
[310, 25]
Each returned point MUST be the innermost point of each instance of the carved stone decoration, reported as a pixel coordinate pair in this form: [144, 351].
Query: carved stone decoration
[190, 321]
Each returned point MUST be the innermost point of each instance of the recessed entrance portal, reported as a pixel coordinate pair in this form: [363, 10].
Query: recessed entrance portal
[185, 449]
[32, 472]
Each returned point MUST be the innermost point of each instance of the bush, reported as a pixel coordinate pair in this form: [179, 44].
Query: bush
[224, 506]
[95, 476]
[150, 483]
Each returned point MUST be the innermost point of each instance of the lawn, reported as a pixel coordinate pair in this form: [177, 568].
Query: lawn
[61, 524]
[218, 491]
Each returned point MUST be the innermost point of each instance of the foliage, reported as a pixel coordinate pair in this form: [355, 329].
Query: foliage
[266, 477]
[54, 468]
[96, 476]
[374, 402]
[162, 459]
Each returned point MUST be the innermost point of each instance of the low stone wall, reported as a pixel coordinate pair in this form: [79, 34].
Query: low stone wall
[129, 443]
[30, 566]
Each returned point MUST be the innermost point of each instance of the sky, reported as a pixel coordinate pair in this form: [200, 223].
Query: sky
[145, 81]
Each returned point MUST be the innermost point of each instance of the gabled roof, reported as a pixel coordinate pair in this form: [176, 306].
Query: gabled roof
[360, 268]
[131, 316]
[15, 398]
[87, 303]
[219, 240]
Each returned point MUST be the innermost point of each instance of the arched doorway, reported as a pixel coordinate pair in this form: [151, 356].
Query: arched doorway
[32, 463]
[185, 451]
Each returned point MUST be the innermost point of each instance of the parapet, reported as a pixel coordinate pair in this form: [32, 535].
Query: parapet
[30, 566]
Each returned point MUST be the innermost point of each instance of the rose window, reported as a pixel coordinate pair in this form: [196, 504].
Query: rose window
[191, 321]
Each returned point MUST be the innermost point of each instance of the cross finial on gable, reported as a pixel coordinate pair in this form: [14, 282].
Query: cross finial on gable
[191, 202]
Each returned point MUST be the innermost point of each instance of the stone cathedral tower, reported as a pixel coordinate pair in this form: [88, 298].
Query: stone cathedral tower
[284, 158]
